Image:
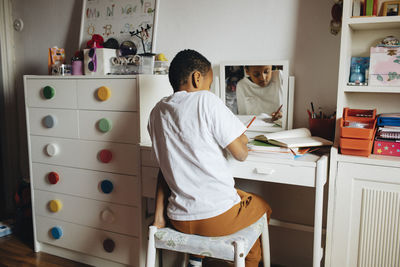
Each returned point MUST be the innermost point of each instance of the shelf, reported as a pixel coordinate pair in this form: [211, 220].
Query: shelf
[373, 23]
[388, 161]
[372, 89]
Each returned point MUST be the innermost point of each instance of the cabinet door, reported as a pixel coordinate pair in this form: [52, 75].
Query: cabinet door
[367, 216]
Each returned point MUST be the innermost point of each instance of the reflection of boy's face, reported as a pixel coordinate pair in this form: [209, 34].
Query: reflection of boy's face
[260, 75]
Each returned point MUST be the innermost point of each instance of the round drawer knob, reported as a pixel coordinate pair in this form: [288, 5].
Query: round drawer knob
[106, 186]
[49, 92]
[107, 216]
[56, 232]
[109, 245]
[49, 121]
[52, 150]
[55, 205]
[105, 125]
[53, 177]
[105, 156]
[103, 93]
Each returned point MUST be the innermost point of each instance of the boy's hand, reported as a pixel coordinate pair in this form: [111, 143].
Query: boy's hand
[276, 115]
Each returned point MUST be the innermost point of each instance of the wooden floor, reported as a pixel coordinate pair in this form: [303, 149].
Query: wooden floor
[15, 253]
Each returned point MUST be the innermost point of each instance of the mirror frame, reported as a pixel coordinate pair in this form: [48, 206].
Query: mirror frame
[288, 86]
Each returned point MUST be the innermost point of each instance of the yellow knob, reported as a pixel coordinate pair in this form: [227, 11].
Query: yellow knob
[55, 205]
[103, 93]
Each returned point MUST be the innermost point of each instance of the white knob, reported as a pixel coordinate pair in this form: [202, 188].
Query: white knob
[107, 216]
[266, 171]
[52, 150]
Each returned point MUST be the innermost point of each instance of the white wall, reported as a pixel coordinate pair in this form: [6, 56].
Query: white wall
[223, 30]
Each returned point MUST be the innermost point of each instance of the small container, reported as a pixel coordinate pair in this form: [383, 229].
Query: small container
[324, 128]
[77, 67]
[356, 75]
[147, 63]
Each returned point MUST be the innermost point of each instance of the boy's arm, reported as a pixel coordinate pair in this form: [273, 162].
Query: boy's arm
[162, 194]
[238, 147]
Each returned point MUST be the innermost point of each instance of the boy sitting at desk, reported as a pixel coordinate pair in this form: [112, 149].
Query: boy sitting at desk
[189, 131]
[260, 92]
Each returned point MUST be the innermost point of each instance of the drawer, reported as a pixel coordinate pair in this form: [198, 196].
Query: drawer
[122, 94]
[64, 93]
[94, 155]
[274, 172]
[147, 157]
[104, 186]
[149, 181]
[88, 212]
[109, 126]
[89, 241]
[53, 122]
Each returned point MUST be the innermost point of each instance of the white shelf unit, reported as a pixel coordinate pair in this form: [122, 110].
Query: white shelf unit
[358, 183]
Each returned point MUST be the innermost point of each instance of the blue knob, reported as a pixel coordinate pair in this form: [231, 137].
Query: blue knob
[107, 186]
[56, 232]
[49, 121]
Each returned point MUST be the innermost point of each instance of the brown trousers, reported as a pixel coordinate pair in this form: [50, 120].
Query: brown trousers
[242, 215]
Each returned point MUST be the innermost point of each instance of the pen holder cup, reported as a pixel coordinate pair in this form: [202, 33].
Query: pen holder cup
[324, 128]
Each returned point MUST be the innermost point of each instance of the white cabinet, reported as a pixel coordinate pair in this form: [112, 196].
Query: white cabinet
[366, 217]
[84, 138]
[364, 192]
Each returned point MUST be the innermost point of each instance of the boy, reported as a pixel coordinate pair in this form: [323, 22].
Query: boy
[260, 92]
[189, 131]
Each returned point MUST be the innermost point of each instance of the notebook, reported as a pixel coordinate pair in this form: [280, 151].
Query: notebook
[300, 137]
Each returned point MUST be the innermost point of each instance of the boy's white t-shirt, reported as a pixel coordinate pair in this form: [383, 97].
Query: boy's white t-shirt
[253, 99]
[189, 131]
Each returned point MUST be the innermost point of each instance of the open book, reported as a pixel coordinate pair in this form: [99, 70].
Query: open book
[300, 137]
[266, 149]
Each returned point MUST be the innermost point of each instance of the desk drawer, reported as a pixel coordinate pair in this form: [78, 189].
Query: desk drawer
[93, 213]
[149, 181]
[109, 126]
[122, 94]
[123, 158]
[63, 93]
[89, 241]
[104, 186]
[271, 172]
[53, 122]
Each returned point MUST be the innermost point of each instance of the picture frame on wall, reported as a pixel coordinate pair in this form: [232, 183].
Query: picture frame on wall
[120, 20]
[391, 8]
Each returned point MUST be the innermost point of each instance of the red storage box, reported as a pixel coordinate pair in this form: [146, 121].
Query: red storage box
[388, 148]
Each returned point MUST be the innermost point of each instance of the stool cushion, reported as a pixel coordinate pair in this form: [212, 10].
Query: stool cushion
[216, 247]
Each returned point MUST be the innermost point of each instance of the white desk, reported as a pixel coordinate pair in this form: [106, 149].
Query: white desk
[309, 170]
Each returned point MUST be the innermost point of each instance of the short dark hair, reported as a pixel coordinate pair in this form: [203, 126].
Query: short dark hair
[183, 64]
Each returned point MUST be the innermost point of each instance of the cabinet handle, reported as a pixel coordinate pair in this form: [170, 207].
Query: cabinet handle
[265, 171]
[105, 156]
[49, 121]
[104, 125]
[49, 92]
[56, 232]
[53, 177]
[103, 93]
[52, 150]
[55, 205]
[107, 216]
[106, 186]
[109, 245]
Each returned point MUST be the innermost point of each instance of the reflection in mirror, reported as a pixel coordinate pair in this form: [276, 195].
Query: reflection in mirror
[257, 88]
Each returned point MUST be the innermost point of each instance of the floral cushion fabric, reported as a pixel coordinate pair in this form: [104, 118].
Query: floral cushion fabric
[216, 247]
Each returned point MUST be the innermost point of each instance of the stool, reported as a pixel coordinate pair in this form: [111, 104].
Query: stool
[234, 247]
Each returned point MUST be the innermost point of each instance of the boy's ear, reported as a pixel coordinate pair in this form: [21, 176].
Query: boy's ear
[196, 75]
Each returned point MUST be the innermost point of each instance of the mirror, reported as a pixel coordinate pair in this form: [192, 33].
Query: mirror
[257, 88]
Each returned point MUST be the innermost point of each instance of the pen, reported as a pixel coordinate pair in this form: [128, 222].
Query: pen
[309, 113]
[279, 109]
[251, 121]
[312, 110]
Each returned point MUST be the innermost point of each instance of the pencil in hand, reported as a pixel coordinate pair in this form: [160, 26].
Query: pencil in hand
[251, 121]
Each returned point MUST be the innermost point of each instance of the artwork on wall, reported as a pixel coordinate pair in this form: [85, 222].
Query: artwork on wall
[120, 20]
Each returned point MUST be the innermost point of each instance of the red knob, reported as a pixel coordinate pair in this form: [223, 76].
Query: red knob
[105, 156]
[53, 177]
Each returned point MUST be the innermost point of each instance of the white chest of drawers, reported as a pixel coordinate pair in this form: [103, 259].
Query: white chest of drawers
[84, 138]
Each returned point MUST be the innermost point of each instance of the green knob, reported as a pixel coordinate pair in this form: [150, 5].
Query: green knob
[49, 92]
[105, 125]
